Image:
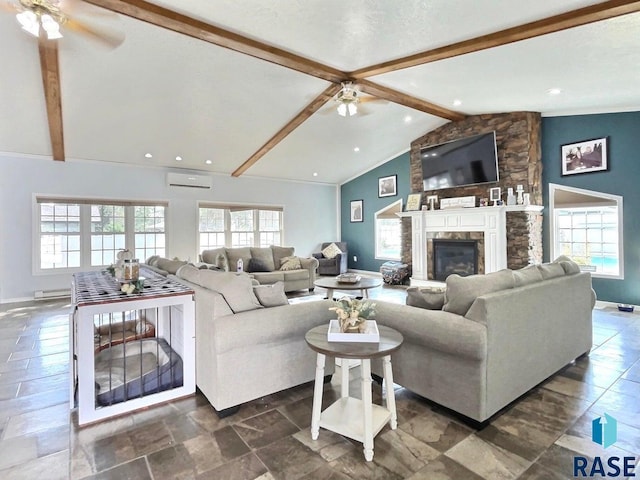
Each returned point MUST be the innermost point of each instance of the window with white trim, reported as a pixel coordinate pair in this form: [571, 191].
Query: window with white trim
[239, 226]
[388, 232]
[587, 227]
[76, 234]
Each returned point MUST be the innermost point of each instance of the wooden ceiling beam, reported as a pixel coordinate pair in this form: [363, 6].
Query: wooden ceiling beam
[298, 120]
[49, 67]
[408, 101]
[556, 23]
[177, 22]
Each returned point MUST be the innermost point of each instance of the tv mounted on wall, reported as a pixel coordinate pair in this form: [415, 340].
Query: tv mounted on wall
[466, 161]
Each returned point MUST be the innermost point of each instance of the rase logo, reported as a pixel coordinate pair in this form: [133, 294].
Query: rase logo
[604, 431]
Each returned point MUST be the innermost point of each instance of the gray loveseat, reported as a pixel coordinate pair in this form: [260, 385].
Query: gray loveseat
[245, 350]
[496, 337]
[265, 264]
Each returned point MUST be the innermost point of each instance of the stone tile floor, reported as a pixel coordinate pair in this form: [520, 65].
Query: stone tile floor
[535, 438]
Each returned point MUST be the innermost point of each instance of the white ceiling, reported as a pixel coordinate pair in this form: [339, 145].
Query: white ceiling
[169, 94]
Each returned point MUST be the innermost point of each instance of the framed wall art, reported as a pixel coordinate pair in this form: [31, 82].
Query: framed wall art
[584, 157]
[413, 201]
[356, 210]
[387, 186]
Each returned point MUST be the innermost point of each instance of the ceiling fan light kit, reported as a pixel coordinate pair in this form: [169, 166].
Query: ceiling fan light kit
[347, 99]
[41, 17]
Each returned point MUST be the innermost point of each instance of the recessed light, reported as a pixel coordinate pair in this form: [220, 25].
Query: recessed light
[315, 174]
[408, 119]
[457, 102]
[208, 162]
[148, 155]
[356, 149]
[554, 91]
[179, 159]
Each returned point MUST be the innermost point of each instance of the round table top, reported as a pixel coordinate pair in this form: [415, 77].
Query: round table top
[362, 284]
[390, 341]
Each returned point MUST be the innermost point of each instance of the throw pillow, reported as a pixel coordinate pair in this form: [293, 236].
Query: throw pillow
[170, 266]
[290, 263]
[279, 253]
[331, 251]
[429, 298]
[236, 288]
[265, 256]
[256, 265]
[462, 291]
[527, 275]
[551, 270]
[570, 267]
[271, 295]
[221, 262]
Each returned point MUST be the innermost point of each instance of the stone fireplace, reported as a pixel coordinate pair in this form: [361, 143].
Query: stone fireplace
[508, 236]
[454, 256]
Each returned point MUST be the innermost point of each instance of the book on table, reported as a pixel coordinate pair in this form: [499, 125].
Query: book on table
[348, 278]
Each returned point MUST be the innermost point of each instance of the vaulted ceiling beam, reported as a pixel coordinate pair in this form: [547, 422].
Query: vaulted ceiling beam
[408, 101]
[177, 22]
[51, 83]
[298, 120]
[556, 23]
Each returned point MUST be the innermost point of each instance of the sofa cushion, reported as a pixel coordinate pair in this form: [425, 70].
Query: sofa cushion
[256, 265]
[527, 275]
[570, 267]
[170, 266]
[235, 254]
[293, 275]
[462, 291]
[290, 263]
[551, 270]
[265, 256]
[279, 253]
[431, 298]
[236, 288]
[331, 251]
[271, 295]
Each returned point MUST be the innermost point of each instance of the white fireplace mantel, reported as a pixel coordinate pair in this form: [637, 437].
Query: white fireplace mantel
[491, 221]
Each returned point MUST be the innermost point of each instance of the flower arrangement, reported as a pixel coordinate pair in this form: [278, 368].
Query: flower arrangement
[132, 287]
[352, 314]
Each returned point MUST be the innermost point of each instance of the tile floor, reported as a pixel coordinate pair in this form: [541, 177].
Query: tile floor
[536, 438]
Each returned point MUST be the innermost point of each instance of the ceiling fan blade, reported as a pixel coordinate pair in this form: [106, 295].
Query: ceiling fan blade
[372, 100]
[106, 37]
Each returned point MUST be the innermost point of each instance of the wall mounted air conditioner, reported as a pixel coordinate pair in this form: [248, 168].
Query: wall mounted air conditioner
[188, 180]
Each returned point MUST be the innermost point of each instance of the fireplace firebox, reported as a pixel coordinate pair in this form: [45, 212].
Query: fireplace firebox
[454, 256]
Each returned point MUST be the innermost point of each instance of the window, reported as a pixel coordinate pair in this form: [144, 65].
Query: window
[388, 232]
[59, 235]
[80, 233]
[239, 226]
[587, 226]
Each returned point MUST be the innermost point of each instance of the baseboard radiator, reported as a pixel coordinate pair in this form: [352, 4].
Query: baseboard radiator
[47, 294]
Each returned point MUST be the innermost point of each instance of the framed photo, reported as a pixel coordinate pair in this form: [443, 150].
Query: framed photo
[387, 186]
[585, 156]
[413, 201]
[356, 210]
[494, 194]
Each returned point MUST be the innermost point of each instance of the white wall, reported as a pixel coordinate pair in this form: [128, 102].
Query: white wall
[310, 210]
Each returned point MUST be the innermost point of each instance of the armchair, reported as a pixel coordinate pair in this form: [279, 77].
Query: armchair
[332, 266]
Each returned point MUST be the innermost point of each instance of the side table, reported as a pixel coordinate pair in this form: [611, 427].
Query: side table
[348, 416]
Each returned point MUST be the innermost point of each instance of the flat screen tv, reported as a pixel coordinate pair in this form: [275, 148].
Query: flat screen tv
[466, 161]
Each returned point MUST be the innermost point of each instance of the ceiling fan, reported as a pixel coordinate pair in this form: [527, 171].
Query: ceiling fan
[47, 19]
[348, 101]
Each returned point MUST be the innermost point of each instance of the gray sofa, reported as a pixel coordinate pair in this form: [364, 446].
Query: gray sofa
[244, 349]
[268, 265]
[496, 336]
